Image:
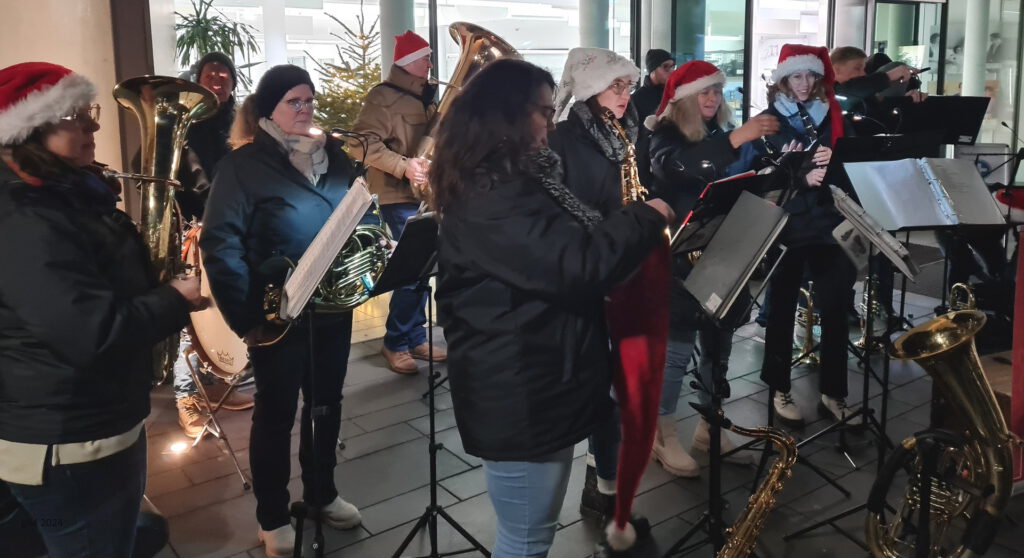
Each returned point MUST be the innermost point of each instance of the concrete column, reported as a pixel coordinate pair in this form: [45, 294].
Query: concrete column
[396, 17]
[661, 25]
[275, 39]
[975, 47]
[594, 23]
[645, 27]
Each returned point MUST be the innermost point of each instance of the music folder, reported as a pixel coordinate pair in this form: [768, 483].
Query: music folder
[860, 231]
[715, 201]
[725, 266]
[415, 255]
[923, 193]
[302, 281]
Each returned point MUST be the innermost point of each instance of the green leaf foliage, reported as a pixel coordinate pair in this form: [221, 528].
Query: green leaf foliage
[201, 32]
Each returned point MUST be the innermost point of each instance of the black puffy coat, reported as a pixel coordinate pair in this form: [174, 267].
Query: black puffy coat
[260, 207]
[589, 174]
[80, 310]
[647, 98]
[521, 298]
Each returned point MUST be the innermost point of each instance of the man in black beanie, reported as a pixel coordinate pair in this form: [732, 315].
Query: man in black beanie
[659, 64]
[206, 144]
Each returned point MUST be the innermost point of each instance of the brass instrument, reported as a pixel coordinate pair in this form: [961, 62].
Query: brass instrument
[966, 293]
[742, 536]
[875, 312]
[165, 107]
[632, 190]
[479, 47]
[347, 283]
[971, 484]
[808, 319]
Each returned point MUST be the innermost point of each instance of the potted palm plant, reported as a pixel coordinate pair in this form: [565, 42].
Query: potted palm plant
[201, 32]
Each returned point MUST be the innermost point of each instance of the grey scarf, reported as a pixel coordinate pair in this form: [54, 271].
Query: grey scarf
[604, 135]
[546, 167]
[306, 153]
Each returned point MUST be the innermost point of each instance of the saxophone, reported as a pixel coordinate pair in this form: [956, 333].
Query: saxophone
[742, 536]
[632, 190]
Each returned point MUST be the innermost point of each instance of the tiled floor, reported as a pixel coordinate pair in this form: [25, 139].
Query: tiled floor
[384, 469]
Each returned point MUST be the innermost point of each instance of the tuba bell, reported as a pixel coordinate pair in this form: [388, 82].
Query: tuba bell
[165, 108]
[479, 47]
[971, 471]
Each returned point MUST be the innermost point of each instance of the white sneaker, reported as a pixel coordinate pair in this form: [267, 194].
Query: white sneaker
[341, 514]
[670, 453]
[702, 442]
[786, 408]
[278, 543]
[837, 410]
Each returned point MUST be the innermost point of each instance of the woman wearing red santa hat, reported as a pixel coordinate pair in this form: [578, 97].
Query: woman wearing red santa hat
[80, 309]
[803, 100]
[693, 143]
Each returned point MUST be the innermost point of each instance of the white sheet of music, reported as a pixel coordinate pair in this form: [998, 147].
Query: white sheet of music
[325, 247]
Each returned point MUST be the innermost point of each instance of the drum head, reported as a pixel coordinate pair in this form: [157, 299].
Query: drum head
[214, 342]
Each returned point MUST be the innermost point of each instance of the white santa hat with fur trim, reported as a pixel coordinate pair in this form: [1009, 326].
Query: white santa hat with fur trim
[589, 71]
[33, 94]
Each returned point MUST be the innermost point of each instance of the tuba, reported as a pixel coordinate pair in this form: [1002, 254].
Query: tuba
[971, 472]
[165, 107]
[480, 47]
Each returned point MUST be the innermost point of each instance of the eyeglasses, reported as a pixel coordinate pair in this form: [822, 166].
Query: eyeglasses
[298, 105]
[547, 110]
[91, 112]
[620, 87]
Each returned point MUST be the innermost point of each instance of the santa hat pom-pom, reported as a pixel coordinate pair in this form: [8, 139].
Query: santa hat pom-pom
[620, 539]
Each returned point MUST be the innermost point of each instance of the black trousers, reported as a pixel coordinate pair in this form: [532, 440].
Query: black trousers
[282, 370]
[833, 277]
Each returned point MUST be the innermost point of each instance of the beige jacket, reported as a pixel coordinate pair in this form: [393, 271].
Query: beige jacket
[395, 121]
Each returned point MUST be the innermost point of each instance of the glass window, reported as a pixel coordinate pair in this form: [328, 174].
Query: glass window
[1001, 65]
[713, 33]
[909, 33]
[775, 23]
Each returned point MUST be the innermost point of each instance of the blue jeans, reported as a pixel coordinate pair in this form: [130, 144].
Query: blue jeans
[527, 496]
[89, 509]
[713, 344]
[183, 384]
[407, 314]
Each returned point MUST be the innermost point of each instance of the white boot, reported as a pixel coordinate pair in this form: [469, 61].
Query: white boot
[702, 442]
[837, 409]
[786, 408]
[278, 543]
[340, 514]
[670, 453]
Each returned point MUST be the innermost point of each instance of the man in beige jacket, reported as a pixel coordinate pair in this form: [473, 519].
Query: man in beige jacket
[394, 118]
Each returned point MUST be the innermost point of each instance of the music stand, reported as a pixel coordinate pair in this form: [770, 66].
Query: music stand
[413, 261]
[715, 201]
[950, 119]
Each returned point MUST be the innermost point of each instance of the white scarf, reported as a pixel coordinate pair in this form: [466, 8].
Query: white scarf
[306, 153]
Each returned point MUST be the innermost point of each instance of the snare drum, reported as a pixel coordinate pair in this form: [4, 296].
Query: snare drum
[221, 351]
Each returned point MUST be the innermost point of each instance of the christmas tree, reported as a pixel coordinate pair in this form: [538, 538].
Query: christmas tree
[347, 83]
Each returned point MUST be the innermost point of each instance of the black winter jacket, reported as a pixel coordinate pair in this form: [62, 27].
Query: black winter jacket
[520, 296]
[589, 174]
[80, 310]
[647, 98]
[261, 207]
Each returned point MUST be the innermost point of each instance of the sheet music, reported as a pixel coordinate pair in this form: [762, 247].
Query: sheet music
[860, 228]
[967, 192]
[325, 247]
[897, 194]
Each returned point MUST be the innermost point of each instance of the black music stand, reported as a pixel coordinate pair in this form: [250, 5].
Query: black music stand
[414, 261]
[950, 119]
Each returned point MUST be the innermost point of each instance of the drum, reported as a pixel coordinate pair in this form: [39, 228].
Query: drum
[221, 351]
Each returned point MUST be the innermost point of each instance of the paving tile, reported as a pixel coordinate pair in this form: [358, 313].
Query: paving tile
[391, 415]
[199, 496]
[401, 509]
[466, 485]
[443, 420]
[168, 481]
[377, 440]
[224, 528]
[219, 466]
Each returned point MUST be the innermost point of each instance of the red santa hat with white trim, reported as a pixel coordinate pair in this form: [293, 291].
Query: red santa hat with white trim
[689, 79]
[805, 58]
[410, 47]
[33, 94]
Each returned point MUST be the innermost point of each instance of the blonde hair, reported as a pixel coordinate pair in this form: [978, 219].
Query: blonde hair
[685, 115]
[245, 125]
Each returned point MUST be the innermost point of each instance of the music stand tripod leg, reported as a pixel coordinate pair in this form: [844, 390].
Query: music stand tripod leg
[428, 519]
[211, 424]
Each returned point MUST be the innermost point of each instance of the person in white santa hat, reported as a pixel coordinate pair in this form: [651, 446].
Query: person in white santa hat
[80, 310]
[595, 87]
[693, 143]
[802, 97]
[394, 118]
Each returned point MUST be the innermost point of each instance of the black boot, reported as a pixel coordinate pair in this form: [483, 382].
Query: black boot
[593, 504]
